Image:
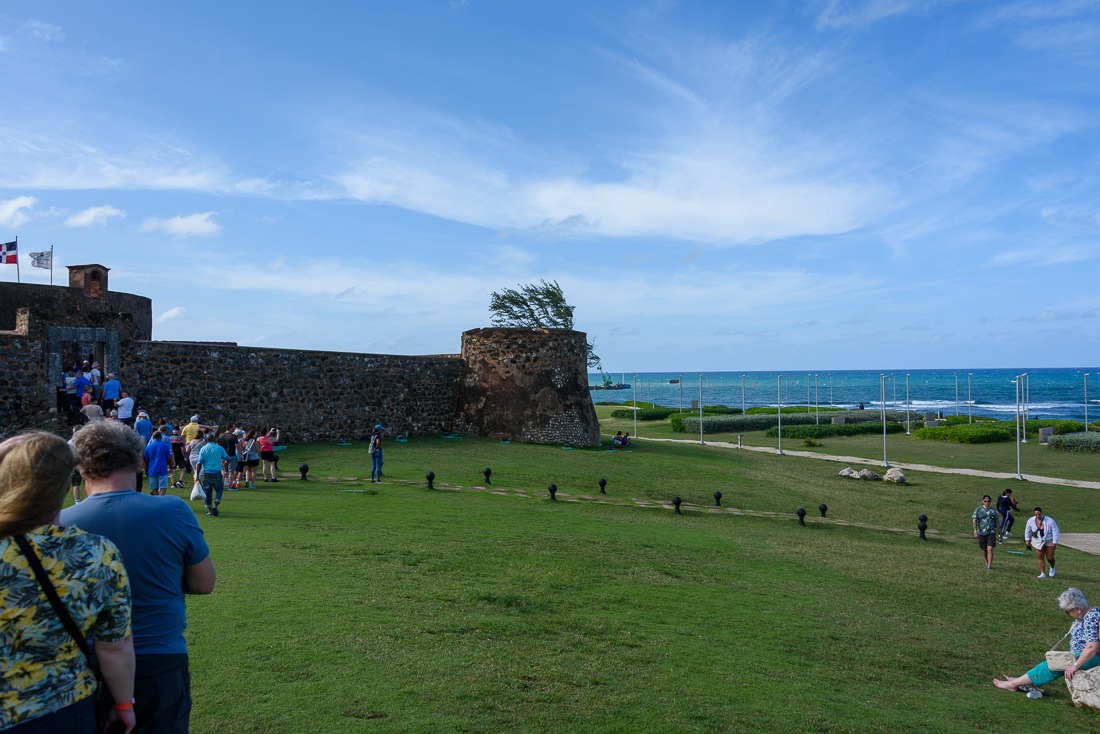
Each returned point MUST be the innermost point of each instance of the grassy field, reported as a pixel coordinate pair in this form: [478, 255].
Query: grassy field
[343, 606]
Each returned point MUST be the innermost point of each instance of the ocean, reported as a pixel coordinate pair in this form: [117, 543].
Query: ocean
[1046, 393]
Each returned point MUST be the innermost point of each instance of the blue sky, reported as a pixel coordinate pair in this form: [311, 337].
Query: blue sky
[715, 185]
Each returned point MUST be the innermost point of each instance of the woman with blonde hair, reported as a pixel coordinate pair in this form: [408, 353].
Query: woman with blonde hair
[46, 681]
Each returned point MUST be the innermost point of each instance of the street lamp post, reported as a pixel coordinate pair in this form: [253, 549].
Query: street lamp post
[635, 406]
[817, 402]
[831, 389]
[907, 431]
[969, 402]
[1024, 390]
[882, 413]
[956, 393]
[700, 407]
[779, 411]
[1019, 472]
[681, 393]
[742, 393]
[1086, 402]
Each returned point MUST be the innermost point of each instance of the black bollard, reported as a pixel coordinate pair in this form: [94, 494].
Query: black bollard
[553, 492]
[304, 469]
[603, 485]
[717, 499]
[676, 503]
[823, 508]
[430, 476]
[922, 525]
[488, 473]
[801, 512]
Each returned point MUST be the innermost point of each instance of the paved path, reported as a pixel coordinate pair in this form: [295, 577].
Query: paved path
[878, 463]
[1087, 542]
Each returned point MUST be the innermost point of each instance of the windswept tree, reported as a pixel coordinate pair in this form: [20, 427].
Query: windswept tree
[535, 305]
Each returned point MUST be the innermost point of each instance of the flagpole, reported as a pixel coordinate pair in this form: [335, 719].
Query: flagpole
[51, 264]
[17, 280]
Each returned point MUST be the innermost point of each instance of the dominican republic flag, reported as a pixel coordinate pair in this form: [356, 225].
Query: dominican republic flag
[9, 253]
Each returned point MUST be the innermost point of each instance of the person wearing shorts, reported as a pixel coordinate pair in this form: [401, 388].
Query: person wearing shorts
[157, 457]
[985, 529]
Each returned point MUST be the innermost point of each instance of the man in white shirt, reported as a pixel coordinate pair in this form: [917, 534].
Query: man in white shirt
[126, 409]
[1042, 535]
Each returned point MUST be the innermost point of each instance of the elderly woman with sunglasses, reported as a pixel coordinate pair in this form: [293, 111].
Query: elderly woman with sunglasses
[1084, 643]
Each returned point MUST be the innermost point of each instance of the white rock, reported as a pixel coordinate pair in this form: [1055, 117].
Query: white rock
[868, 474]
[895, 475]
[849, 472]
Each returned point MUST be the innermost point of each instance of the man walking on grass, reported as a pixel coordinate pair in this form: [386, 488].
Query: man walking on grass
[985, 529]
[211, 457]
[166, 558]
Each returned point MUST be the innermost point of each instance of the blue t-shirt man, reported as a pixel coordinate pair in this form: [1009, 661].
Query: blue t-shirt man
[157, 454]
[111, 389]
[211, 457]
[144, 427]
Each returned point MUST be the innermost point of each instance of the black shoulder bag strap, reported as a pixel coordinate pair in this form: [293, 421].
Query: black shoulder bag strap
[51, 594]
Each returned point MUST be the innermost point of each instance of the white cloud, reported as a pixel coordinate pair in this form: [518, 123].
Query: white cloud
[42, 31]
[170, 314]
[96, 215]
[15, 212]
[200, 224]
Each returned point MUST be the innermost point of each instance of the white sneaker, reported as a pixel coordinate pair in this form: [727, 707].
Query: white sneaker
[1052, 571]
[1042, 575]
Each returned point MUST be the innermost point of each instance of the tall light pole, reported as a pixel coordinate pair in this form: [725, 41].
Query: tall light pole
[635, 406]
[831, 389]
[817, 401]
[742, 393]
[779, 411]
[969, 402]
[808, 393]
[894, 379]
[882, 413]
[700, 407]
[1086, 402]
[956, 393]
[907, 431]
[1024, 389]
[681, 393]
[1019, 473]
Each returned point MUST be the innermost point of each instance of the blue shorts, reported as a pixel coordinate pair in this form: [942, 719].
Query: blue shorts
[158, 482]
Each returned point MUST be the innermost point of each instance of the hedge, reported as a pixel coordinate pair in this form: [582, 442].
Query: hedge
[764, 421]
[645, 414]
[976, 433]
[1060, 426]
[1086, 443]
[827, 430]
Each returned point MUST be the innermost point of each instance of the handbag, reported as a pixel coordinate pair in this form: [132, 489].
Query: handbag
[197, 492]
[62, 614]
[1059, 660]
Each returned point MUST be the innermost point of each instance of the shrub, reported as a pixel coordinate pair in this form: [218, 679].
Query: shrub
[825, 430]
[647, 414]
[1085, 443]
[976, 433]
[677, 421]
[955, 420]
[1060, 426]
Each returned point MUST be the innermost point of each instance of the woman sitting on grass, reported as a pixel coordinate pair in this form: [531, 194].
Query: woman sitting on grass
[1084, 642]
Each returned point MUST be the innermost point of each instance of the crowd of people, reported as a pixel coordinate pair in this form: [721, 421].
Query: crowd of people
[992, 527]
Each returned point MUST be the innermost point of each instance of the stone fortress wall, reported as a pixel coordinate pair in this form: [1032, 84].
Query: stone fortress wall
[530, 385]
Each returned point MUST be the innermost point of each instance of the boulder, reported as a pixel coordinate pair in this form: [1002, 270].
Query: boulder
[1085, 688]
[849, 472]
[895, 475]
[868, 474]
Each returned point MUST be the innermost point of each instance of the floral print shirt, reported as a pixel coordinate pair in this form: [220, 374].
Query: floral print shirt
[41, 667]
[987, 520]
[1085, 631]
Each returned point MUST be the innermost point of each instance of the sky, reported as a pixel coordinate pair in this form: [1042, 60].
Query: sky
[803, 185]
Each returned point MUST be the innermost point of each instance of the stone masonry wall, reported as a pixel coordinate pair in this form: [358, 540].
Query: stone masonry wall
[311, 396]
[25, 398]
[528, 384]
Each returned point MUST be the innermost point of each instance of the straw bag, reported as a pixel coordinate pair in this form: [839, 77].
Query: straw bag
[1059, 660]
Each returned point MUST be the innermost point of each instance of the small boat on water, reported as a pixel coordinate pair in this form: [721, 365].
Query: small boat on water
[607, 384]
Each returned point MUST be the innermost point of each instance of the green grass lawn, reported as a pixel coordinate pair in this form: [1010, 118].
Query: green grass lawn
[343, 606]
